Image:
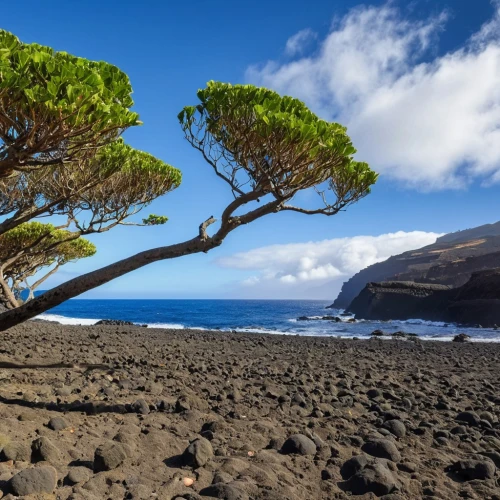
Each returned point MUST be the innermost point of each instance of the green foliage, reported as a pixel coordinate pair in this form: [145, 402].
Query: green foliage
[155, 220]
[139, 162]
[31, 247]
[81, 91]
[118, 157]
[36, 239]
[69, 101]
[118, 175]
[140, 179]
[278, 141]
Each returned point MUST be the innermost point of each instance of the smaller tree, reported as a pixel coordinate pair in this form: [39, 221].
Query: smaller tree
[37, 249]
[110, 187]
[140, 179]
[95, 197]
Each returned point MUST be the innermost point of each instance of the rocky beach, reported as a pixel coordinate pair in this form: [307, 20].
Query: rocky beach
[122, 412]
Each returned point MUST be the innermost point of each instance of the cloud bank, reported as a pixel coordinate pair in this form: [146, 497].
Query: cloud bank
[431, 122]
[290, 269]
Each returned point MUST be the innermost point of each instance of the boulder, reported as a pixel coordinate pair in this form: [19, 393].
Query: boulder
[16, 451]
[382, 448]
[374, 478]
[140, 406]
[224, 491]
[353, 465]
[374, 393]
[57, 424]
[34, 481]
[396, 427]
[78, 475]
[198, 453]
[116, 322]
[299, 444]
[469, 417]
[470, 469]
[42, 449]
[109, 456]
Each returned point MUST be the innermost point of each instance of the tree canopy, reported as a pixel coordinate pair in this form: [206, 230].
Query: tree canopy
[257, 140]
[29, 248]
[115, 183]
[54, 105]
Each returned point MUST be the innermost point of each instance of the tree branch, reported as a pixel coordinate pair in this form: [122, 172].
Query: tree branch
[204, 226]
[81, 284]
[324, 211]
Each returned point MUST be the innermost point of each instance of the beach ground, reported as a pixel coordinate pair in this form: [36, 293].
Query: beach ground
[136, 413]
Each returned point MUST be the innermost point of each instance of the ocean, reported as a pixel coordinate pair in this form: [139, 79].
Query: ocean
[258, 316]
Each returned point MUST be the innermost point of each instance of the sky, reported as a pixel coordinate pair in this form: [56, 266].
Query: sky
[417, 83]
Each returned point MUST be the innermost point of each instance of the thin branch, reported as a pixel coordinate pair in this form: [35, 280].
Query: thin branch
[323, 211]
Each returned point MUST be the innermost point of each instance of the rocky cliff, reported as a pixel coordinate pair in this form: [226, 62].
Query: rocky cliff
[475, 302]
[450, 261]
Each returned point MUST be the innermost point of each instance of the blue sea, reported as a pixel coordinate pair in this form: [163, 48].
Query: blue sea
[258, 316]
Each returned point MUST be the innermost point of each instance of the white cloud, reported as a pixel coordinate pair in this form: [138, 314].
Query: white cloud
[253, 280]
[432, 122]
[296, 44]
[281, 267]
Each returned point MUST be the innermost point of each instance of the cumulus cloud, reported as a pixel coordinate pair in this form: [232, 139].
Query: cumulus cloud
[432, 122]
[297, 264]
[297, 43]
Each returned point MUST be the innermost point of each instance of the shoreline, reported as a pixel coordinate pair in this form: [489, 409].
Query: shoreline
[146, 393]
[451, 329]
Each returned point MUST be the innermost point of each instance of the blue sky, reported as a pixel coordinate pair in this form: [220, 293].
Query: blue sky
[398, 74]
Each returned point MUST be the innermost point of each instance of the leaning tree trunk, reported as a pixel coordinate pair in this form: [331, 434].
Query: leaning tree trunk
[81, 284]
[201, 243]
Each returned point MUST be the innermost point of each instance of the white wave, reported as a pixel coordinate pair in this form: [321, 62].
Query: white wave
[424, 322]
[260, 330]
[63, 320]
[171, 326]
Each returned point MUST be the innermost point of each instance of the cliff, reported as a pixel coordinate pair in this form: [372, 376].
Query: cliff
[475, 302]
[450, 261]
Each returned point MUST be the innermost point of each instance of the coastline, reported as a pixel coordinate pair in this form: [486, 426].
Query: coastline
[314, 326]
[149, 392]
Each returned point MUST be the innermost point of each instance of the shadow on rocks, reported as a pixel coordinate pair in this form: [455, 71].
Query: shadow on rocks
[89, 464]
[89, 408]
[175, 462]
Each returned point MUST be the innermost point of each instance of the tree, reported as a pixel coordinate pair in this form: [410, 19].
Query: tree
[94, 197]
[62, 189]
[31, 248]
[55, 106]
[267, 148]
